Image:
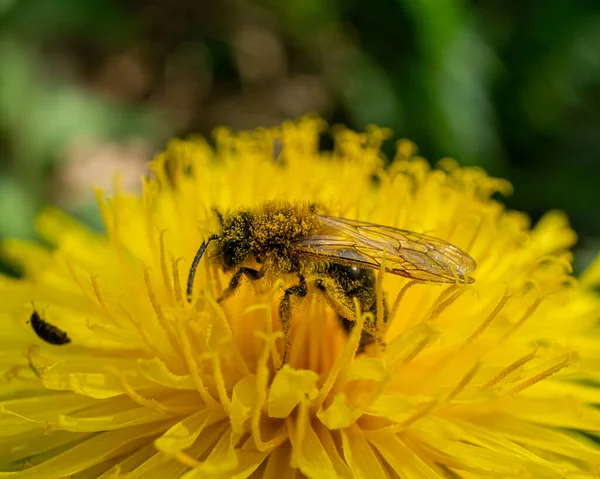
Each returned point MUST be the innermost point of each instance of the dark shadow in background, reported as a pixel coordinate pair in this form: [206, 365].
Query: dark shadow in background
[90, 88]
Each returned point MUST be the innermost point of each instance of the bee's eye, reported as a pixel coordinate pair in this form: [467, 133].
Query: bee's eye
[228, 253]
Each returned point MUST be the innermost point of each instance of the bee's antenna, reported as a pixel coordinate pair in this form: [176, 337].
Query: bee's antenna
[192, 273]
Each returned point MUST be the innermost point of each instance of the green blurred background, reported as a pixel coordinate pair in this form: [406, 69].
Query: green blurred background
[91, 87]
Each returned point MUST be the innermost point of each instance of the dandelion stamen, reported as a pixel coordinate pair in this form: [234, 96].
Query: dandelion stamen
[139, 399]
[316, 332]
[345, 357]
[253, 308]
[392, 374]
[543, 375]
[114, 233]
[281, 437]
[220, 382]
[439, 308]
[300, 332]
[100, 298]
[164, 324]
[12, 373]
[208, 330]
[262, 379]
[528, 313]
[148, 203]
[220, 315]
[444, 294]
[176, 281]
[163, 262]
[433, 406]
[105, 212]
[142, 332]
[487, 321]
[403, 362]
[570, 281]
[31, 352]
[193, 368]
[424, 412]
[476, 233]
[558, 260]
[84, 289]
[213, 277]
[397, 302]
[302, 421]
[463, 382]
[508, 370]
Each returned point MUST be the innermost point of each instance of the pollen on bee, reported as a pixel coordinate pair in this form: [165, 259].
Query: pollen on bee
[282, 221]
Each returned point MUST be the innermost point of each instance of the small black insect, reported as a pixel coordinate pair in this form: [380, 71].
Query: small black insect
[46, 331]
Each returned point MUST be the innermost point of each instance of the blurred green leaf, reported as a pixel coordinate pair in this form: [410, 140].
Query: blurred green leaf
[17, 210]
[455, 71]
[510, 86]
[43, 20]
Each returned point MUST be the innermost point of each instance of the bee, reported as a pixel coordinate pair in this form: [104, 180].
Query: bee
[46, 331]
[338, 255]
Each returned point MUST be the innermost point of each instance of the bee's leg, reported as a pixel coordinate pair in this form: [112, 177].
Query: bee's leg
[285, 314]
[234, 282]
[342, 302]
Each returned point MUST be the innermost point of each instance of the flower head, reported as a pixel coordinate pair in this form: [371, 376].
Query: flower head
[491, 379]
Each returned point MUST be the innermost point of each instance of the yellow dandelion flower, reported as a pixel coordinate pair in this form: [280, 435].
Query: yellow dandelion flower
[123, 376]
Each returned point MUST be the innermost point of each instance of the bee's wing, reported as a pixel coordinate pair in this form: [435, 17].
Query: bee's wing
[406, 253]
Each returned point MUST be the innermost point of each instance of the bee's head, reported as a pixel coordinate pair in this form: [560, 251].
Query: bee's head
[234, 242]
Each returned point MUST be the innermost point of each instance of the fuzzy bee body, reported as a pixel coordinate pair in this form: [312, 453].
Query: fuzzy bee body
[338, 255]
